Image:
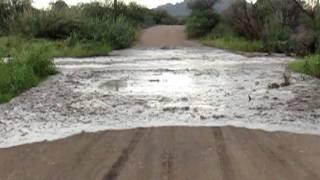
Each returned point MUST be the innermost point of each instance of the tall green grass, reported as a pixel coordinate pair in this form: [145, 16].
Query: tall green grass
[23, 71]
[233, 43]
[309, 65]
[56, 48]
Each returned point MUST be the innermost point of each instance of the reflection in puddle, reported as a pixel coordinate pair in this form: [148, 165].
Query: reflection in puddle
[161, 83]
[115, 85]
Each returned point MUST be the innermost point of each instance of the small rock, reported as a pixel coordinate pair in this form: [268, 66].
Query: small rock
[187, 108]
[203, 118]
[185, 99]
[274, 86]
[165, 47]
[239, 116]
[215, 116]
[154, 80]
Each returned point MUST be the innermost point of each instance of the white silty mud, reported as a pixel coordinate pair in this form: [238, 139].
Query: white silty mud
[153, 87]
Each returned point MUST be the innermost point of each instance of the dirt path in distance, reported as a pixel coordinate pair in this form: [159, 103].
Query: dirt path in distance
[164, 36]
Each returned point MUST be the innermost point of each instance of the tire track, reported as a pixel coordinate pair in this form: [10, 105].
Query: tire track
[277, 155]
[223, 157]
[116, 168]
[167, 166]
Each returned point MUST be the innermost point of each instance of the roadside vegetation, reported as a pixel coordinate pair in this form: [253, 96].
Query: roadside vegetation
[30, 38]
[233, 43]
[281, 26]
[309, 65]
[24, 70]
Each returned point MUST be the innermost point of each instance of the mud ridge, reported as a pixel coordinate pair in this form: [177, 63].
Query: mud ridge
[223, 156]
[167, 166]
[124, 157]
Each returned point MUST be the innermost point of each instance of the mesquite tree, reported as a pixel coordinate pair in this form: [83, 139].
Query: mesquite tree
[201, 4]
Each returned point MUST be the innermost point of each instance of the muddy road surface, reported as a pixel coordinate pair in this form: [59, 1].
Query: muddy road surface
[165, 109]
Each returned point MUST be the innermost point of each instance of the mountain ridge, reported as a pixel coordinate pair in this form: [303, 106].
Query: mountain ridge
[181, 9]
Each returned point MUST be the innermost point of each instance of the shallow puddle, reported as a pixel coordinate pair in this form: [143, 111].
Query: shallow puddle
[164, 83]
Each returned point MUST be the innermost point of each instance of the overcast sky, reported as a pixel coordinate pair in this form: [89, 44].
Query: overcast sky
[148, 3]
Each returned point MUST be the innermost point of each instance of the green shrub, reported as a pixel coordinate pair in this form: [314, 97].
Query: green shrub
[222, 30]
[200, 23]
[24, 70]
[40, 61]
[118, 32]
[234, 43]
[80, 49]
[15, 77]
[277, 39]
[309, 65]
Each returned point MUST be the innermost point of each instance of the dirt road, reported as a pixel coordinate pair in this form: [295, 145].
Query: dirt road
[164, 37]
[167, 153]
[176, 90]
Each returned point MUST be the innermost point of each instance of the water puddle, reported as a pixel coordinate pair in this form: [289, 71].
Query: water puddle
[164, 83]
[115, 85]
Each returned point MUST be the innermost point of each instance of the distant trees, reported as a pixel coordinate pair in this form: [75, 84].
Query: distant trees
[283, 25]
[59, 5]
[202, 19]
[9, 10]
[201, 4]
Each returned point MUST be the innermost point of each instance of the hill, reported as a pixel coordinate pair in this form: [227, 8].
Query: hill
[181, 9]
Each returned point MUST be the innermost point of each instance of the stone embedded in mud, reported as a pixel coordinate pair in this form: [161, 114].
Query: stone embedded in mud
[165, 47]
[165, 99]
[175, 109]
[154, 80]
[274, 86]
[203, 117]
[218, 116]
[184, 99]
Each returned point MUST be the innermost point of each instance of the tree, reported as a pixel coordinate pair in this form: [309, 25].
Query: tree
[202, 19]
[115, 4]
[201, 4]
[59, 5]
[200, 23]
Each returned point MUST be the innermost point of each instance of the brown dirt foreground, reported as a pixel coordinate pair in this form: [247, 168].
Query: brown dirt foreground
[167, 153]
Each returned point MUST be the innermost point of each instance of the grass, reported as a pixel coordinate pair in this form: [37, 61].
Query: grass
[31, 61]
[24, 70]
[309, 65]
[58, 48]
[233, 43]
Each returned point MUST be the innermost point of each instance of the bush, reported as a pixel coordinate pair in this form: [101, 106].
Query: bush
[234, 43]
[40, 61]
[304, 41]
[200, 23]
[223, 29]
[162, 17]
[23, 72]
[245, 19]
[118, 32]
[277, 39]
[309, 65]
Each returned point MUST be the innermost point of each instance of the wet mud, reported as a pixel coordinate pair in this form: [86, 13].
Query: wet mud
[163, 87]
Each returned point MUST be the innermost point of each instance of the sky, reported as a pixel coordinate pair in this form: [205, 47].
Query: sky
[148, 3]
